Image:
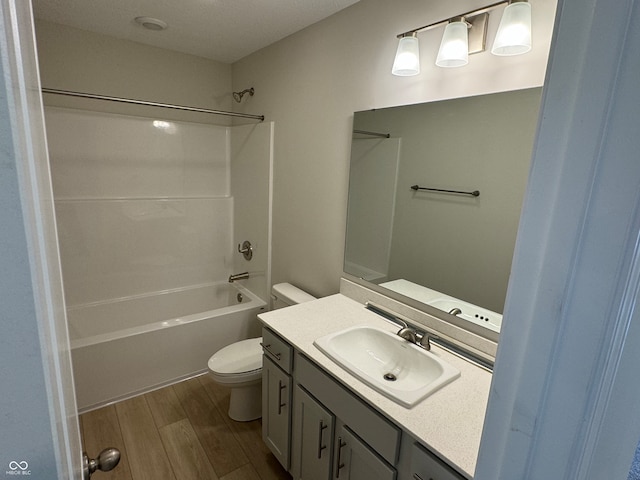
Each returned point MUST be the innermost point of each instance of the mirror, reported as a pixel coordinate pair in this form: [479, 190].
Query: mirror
[438, 244]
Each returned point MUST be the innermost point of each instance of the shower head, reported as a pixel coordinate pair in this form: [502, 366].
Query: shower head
[237, 96]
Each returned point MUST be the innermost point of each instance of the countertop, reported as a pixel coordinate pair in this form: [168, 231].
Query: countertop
[449, 422]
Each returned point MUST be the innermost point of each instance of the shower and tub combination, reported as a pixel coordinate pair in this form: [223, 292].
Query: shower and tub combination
[150, 212]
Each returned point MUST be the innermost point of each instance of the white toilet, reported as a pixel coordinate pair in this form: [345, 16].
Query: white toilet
[239, 365]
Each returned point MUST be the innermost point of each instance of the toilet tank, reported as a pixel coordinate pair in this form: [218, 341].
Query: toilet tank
[285, 295]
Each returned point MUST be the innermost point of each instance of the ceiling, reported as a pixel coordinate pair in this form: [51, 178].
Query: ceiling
[222, 30]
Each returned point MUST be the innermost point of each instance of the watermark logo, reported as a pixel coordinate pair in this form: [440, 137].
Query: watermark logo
[18, 468]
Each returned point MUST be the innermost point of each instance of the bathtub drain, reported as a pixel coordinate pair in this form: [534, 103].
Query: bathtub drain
[390, 377]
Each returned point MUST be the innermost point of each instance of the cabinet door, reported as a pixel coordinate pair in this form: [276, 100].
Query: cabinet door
[425, 466]
[355, 461]
[276, 410]
[312, 436]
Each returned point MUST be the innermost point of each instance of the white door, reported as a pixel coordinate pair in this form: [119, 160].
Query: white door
[38, 418]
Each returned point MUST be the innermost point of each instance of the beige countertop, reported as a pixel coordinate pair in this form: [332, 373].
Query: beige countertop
[449, 422]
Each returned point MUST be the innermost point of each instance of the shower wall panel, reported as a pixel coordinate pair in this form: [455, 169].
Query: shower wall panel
[142, 204]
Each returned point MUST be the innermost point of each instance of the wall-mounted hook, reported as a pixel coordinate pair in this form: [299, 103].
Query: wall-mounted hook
[246, 250]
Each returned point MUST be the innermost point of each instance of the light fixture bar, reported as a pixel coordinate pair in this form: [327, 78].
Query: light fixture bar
[477, 11]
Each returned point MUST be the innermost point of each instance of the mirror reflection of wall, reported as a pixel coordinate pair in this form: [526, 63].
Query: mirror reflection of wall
[459, 245]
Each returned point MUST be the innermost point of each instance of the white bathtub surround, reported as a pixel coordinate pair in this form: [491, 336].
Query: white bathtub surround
[142, 204]
[151, 344]
[146, 214]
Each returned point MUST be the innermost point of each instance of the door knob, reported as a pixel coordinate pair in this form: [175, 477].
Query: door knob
[107, 460]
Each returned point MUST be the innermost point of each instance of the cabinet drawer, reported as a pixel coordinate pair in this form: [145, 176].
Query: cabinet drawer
[382, 435]
[425, 466]
[276, 349]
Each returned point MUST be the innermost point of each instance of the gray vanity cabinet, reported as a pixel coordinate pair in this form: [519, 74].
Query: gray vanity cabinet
[276, 396]
[312, 438]
[322, 431]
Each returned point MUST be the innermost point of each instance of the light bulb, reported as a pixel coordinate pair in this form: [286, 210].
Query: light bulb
[407, 61]
[454, 48]
[514, 32]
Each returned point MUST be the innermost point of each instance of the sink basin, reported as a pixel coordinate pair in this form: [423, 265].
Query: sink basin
[393, 366]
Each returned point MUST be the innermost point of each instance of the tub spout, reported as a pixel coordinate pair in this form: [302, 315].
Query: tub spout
[238, 276]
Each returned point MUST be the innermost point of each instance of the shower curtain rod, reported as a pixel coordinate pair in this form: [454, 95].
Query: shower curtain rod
[68, 93]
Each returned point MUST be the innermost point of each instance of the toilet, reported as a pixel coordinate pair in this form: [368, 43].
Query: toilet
[239, 365]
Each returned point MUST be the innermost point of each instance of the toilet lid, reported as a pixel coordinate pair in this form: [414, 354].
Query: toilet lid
[240, 357]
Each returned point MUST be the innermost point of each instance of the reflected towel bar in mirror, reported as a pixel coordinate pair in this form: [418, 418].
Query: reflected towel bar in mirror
[475, 193]
[372, 134]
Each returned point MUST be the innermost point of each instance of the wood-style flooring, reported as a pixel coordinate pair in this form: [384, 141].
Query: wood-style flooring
[180, 432]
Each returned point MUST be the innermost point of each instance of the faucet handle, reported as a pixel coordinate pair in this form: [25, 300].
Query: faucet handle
[424, 340]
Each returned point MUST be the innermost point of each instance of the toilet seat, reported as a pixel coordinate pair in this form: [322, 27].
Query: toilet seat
[239, 360]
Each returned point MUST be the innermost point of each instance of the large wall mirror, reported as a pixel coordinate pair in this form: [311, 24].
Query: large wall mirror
[435, 193]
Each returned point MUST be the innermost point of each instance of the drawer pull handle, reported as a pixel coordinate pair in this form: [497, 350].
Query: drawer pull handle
[320, 446]
[340, 464]
[267, 348]
[281, 386]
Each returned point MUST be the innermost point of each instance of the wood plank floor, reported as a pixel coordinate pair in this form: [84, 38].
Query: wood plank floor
[180, 432]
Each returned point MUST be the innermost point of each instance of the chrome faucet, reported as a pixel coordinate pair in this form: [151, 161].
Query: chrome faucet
[238, 276]
[419, 338]
[455, 311]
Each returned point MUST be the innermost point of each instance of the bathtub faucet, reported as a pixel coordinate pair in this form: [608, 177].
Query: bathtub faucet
[238, 276]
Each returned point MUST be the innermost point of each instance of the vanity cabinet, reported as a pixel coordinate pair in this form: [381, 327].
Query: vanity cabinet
[276, 396]
[322, 431]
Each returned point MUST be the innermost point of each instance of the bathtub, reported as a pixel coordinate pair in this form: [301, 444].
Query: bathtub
[125, 347]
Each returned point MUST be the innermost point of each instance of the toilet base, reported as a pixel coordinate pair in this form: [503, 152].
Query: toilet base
[245, 403]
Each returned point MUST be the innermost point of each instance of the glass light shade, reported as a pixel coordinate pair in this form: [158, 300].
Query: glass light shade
[407, 61]
[454, 48]
[514, 32]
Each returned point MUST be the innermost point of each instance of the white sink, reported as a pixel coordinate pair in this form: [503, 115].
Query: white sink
[395, 367]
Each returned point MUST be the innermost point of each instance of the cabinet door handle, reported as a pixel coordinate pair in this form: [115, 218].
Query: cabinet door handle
[281, 386]
[339, 463]
[320, 446]
[267, 348]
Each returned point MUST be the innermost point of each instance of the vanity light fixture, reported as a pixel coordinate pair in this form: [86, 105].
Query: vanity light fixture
[466, 34]
[514, 32]
[407, 61]
[454, 48]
